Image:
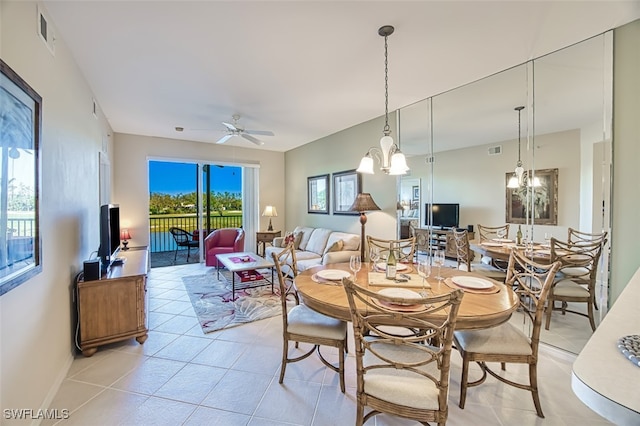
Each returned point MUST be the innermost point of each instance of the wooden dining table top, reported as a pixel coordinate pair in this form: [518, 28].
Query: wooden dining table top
[476, 310]
[502, 250]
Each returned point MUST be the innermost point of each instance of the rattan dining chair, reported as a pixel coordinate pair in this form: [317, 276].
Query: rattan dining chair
[488, 233]
[465, 256]
[405, 248]
[507, 343]
[576, 279]
[575, 237]
[303, 324]
[408, 375]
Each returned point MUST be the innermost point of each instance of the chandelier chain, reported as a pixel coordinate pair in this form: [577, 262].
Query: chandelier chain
[386, 130]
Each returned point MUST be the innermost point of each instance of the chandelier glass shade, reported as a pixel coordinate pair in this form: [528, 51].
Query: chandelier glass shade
[392, 160]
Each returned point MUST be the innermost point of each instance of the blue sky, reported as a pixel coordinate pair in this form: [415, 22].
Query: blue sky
[180, 178]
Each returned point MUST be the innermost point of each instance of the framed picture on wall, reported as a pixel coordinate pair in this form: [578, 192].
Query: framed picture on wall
[20, 124]
[537, 198]
[346, 186]
[415, 191]
[318, 194]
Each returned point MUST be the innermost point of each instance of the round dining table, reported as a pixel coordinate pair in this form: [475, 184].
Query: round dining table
[502, 250]
[476, 310]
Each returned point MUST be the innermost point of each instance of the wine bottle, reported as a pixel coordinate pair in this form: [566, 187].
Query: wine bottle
[391, 264]
[519, 235]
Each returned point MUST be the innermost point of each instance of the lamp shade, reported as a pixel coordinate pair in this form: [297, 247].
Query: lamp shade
[270, 211]
[125, 235]
[363, 203]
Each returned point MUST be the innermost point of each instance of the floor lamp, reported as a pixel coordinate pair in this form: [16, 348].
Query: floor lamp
[363, 203]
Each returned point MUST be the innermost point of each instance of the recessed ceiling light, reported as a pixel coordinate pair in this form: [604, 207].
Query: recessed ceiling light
[179, 129]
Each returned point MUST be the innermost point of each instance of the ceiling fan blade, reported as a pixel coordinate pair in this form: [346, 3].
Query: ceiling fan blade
[230, 126]
[224, 138]
[260, 132]
[252, 139]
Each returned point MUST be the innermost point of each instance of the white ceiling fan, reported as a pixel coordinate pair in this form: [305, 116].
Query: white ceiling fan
[234, 129]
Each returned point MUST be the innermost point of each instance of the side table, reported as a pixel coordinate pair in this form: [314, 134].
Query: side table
[264, 237]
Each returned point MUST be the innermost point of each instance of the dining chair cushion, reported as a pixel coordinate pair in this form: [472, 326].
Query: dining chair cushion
[502, 339]
[569, 288]
[304, 320]
[573, 271]
[400, 386]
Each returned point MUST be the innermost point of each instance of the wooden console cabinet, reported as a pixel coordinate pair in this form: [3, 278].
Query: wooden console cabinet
[438, 239]
[114, 308]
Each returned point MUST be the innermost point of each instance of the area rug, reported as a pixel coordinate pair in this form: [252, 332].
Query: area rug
[211, 300]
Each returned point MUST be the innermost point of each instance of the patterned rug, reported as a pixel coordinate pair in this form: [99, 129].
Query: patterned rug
[211, 299]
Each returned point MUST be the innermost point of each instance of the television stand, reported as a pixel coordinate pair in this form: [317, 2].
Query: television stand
[439, 239]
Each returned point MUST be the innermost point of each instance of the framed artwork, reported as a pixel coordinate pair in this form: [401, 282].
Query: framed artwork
[318, 194]
[538, 202]
[415, 191]
[346, 186]
[20, 130]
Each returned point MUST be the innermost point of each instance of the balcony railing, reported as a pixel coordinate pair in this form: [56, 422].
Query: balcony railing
[161, 239]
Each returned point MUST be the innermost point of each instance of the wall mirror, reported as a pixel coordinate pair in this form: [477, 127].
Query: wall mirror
[462, 143]
[20, 128]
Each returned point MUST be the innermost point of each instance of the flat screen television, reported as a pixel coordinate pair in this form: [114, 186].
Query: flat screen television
[109, 234]
[445, 215]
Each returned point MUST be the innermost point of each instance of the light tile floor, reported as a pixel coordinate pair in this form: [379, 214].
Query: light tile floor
[181, 376]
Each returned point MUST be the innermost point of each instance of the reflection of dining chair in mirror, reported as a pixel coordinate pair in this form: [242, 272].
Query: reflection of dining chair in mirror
[576, 280]
[488, 233]
[575, 237]
[405, 248]
[465, 257]
[303, 324]
[401, 375]
[507, 343]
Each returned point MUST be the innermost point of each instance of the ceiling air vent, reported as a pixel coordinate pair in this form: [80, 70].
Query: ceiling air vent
[495, 150]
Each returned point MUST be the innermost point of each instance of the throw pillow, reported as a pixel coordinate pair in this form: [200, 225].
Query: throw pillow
[292, 237]
[337, 246]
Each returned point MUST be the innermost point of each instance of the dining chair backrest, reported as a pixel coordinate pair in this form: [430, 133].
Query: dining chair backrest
[531, 281]
[286, 270]
[579, 261]
[395, 372]
[180, 236]
[490, 232]
[404, 248]
[576, 237]
[463, 250]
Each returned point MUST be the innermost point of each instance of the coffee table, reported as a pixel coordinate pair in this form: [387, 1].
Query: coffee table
[244, 262]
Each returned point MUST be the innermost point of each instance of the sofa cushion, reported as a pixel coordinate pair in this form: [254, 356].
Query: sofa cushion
[318, 240]
[336, 246]
[351, 241]
[306, 234]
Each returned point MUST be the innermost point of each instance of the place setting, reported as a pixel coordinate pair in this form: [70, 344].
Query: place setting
[471, 284]
[330, 276]
[407, 305]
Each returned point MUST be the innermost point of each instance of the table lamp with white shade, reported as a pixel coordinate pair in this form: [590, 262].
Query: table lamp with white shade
[270, 211]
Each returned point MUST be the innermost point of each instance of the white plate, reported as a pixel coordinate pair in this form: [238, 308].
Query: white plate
[383, 266]
[472, 282]
[333, 274]
[399, 292]
[503, 240]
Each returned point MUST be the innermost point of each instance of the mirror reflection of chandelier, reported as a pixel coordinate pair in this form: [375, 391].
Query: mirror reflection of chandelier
[520, 177]
[393, 161]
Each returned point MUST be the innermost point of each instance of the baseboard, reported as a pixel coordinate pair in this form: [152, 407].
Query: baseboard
[53, 391]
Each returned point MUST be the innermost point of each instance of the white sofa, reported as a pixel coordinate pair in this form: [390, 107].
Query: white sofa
[313, 246]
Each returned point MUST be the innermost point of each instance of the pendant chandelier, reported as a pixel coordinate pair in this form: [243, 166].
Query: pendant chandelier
[391, 159]
[520, 177]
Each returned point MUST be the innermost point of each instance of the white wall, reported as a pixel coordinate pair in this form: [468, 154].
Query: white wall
[131, 176]
[36, 318]
[336, 153]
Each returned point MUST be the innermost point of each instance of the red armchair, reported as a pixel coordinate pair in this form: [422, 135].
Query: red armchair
[225, 240]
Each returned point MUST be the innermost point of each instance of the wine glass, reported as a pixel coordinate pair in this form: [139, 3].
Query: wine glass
[438, 260]
[374, 256]
[547, 238]
[501, 233]
[355, 263]
[424, 270]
